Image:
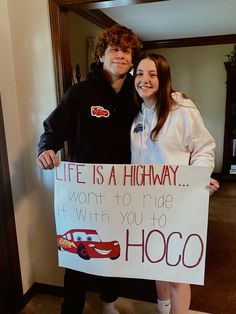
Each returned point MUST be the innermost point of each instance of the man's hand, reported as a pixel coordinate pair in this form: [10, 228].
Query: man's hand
[47, 160]
[213, 186]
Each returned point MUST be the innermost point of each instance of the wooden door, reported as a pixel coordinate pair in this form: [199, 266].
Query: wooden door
[11, 295]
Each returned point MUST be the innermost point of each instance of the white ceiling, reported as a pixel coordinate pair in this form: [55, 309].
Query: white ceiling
[177, 18]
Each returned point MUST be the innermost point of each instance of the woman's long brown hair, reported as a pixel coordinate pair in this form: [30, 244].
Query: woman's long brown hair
[164, 99]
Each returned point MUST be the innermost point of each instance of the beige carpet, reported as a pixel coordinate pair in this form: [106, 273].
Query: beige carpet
[47, 304]
[124, 305]
[218, 295]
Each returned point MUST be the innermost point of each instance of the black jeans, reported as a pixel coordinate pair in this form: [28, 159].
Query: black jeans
[77, 283]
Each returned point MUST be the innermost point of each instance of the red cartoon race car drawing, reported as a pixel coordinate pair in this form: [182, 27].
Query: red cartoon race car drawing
[87, 244]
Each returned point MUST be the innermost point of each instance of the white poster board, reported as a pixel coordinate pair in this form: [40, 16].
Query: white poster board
[135, 221]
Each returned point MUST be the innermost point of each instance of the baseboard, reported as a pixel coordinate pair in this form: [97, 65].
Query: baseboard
[48, 289]
[127, 288]
[42, 289]
[27, 297]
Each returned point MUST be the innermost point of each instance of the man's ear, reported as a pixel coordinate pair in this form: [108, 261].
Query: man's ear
[101, 59]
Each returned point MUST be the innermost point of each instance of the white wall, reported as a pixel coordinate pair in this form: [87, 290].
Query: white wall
[199, 72]
[28, 95]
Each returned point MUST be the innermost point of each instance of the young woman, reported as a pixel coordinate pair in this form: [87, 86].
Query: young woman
[170, 130]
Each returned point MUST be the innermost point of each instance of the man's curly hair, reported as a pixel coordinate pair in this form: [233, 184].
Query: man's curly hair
[117, 35]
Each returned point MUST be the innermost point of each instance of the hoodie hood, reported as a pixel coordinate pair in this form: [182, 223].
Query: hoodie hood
[96, 75]
[181, 100]
[96, 70]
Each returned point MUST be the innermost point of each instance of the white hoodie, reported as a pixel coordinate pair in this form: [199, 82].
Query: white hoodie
[183, 139]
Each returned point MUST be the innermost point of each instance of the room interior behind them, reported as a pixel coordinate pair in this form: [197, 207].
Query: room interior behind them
[28, 93]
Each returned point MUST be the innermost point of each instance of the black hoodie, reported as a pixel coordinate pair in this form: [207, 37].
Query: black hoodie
[94, 120]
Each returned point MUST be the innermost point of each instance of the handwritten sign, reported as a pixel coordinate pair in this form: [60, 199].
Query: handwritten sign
[135, 221]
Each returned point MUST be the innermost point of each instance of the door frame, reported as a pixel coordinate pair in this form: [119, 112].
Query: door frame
[88, 9]
[11, 292]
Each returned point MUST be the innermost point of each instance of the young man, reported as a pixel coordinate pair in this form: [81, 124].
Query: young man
[95, 117]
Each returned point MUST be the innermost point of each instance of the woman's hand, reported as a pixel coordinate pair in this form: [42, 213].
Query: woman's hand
[213, 186]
